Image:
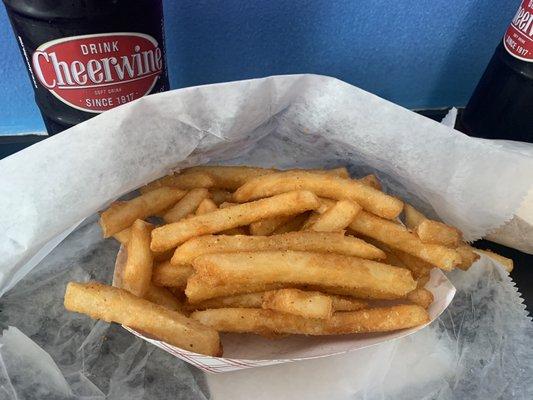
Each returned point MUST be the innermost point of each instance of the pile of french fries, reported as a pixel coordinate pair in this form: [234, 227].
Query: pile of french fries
[253, 250]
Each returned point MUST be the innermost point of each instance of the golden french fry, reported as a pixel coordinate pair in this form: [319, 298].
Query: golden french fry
[506, 262]
[438, 233]
[365, 278]
[171, 235]
[123, 236]
[371, 180]
[227, 204]
[163, 297]
[137, 273]
[220, 196]
[206, 206]
[418, 267]
[186, 206]
[121, 215]
[323, 185]
[337, 217]
[166, 274]
[181, 181]
[111, 304]
[230, 177]
[325, 204]
[233, 177]
[346, 303]
[341, 172]
[413, 217]
[320, 242]
[267, 226]
[198, 290]
[398, 237]
[421, 296]
[383, 319]
[245, 300]
[468, 256]
[299, 302]
[240, 230]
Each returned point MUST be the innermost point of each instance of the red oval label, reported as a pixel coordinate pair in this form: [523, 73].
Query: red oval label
[518, 40]
[95, 73]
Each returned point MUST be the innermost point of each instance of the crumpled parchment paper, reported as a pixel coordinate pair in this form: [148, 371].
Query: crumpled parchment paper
[481, 345]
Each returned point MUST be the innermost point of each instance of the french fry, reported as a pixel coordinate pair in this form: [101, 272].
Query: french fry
[438, 233]
[346, 303]
[230, 177]
[186, 206]
[323, 185]
[418, 267]
[233, 177]
[398, 237]
[171, 235]
[123, 236]
[111, 304]
[227, 204]
[364, 278]
[220, 196]
[121, 215]
[422, 297]
[299, 302]
[166, 274]
[137, 273]
[341, 172]
[240, 230]
[181, 181]
[246, 300]
[206, 206]
[163, 297]
[267, 226]
[337, 217]
[320, 242]
[506, 262]
[413, 217]
[198, 290]
[371, 180]
[468, 256]
[383, 319]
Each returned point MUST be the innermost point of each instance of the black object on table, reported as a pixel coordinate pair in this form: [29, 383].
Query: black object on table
[523, 263]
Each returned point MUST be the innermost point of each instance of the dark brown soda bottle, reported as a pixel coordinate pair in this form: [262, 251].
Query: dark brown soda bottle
[87, 56]
[501, 106]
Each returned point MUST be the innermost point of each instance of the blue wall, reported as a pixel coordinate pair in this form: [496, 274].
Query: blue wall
[418, 53]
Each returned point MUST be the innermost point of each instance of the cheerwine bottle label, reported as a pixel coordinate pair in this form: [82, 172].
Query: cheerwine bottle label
[518, 40]
[97, 72]
[85, 57]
